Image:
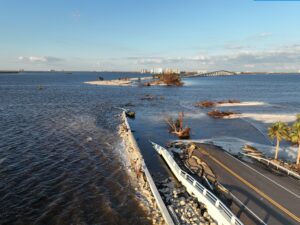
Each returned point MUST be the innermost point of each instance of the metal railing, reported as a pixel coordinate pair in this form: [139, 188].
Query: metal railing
[216, 208]
[278, 167]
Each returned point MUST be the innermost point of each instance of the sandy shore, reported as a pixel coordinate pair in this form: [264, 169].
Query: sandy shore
[134, 162]
[240, 104]
[121, 82]
[266, 118]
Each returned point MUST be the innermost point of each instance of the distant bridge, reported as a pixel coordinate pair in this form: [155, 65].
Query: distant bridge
[214, 74]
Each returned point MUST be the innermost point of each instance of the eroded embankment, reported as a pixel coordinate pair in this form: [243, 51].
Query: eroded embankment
[135, 168]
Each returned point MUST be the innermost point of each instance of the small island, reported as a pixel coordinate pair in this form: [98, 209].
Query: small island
[164, 79]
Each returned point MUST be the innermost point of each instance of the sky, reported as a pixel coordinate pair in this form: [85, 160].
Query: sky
[129, 35]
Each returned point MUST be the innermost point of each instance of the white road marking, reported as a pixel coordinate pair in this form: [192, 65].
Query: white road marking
[279, 185]
[248, 209]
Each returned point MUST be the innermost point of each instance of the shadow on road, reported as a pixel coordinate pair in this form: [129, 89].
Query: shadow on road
[262, 209]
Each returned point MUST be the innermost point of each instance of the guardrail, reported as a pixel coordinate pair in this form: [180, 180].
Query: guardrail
[160, 203]
[217, 209]
[238, 201]
[260, 159]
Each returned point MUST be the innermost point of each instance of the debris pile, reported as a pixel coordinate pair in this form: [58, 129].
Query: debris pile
[165, 79]
[210, 104]
[170, 79]
[250, 150]
[221, 114]
[205, 104]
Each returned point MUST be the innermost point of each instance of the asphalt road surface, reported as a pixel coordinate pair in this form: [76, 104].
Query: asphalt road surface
[273, 197]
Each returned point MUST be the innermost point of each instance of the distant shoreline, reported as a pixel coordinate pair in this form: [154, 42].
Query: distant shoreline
[186, 74]
[9, 71]
[64, 71]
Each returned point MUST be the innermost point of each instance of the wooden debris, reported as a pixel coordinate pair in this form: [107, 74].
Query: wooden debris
[148, 97]
[176, 127]
[252, 151]
[232, 101]
[205, 104]
[130, 114]
[210, 104]
[220, 114]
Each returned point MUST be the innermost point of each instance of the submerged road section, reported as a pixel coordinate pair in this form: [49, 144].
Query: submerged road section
[275, 198]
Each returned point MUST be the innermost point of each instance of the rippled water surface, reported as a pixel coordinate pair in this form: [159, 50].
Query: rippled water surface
[60, 154]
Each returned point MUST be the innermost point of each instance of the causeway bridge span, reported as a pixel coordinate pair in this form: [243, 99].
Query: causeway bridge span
[214, 74]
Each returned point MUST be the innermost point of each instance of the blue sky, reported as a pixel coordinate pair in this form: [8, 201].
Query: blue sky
[240, 35]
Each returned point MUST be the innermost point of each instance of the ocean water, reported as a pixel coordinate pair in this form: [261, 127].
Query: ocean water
[61, 158]
[60, 155]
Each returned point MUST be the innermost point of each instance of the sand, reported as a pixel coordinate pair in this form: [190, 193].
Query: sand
[121, 82]
[266, 118]
[241, 104]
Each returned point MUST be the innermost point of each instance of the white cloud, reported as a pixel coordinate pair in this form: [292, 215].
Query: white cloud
[165, 60]
[76, 14]
[259, 36]
[264, 34]
[39, 59]
[284, 58]
[234, 47]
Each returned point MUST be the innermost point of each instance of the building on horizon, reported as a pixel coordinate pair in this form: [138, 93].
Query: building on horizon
[156, 70]
[201, 71]
[145, 71]
[169, 70]
[161, 71]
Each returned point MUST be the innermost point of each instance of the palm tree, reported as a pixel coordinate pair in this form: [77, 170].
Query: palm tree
[295, 137]
[278, 131]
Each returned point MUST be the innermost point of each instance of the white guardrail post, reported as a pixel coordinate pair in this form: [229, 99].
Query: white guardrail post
[160, 203]
[215, 207]
[289, 172]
